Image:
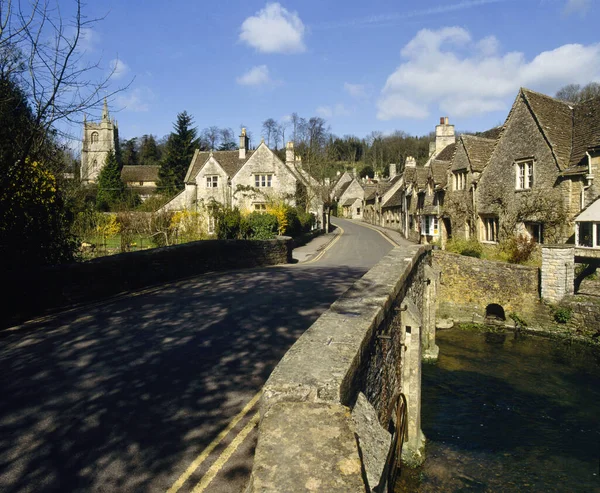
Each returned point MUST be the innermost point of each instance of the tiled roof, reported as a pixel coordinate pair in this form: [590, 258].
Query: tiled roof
[395, 200]
[139, 173]
[349, 202]
[439, 171]
[343, 189]
[410, 175]
[479, 151]
[228, 160]
[446, 153]
[492, 133]
[422, 176]
[556, 121]
[586, 131]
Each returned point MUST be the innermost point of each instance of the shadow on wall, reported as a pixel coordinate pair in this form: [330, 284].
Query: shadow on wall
[121, 396]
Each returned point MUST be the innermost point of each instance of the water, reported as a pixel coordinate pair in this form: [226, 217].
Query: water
[506, 414]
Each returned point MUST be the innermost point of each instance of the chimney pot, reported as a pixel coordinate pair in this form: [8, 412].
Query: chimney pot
[441, 120]
[446, 121]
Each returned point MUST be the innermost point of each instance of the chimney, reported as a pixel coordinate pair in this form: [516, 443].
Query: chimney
[393, 170]
[243, 144]
[411, 162]
[289, 154]
[444, 135]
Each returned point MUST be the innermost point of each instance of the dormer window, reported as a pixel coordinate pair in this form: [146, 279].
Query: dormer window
[524, 172]
[460, 180]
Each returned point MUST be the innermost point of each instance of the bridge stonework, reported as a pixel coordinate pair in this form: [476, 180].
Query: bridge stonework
[344, 376]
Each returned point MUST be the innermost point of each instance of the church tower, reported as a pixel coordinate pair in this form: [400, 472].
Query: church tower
[98, 140]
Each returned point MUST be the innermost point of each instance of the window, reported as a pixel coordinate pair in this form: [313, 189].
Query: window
[460, 180]
[358, 211]
[429, 226]
[260, 207]
[262, 180]
[489, 230]
[141, 183]
[212, 181]
[524, 172]
[585, 234]
[94, 137]
[535, 231]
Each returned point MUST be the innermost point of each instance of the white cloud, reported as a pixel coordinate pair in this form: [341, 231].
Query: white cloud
[88, 38]
[274, 29]
[331, 111]
[577, 6]
[136, 100]
[358, 91]
[118, 68]
[447, 69]
[256, 76]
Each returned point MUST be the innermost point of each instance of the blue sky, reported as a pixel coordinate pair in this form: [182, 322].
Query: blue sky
[379, 65]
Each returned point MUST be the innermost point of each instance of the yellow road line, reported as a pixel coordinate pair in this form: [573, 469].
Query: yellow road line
[226, 455]
[380, 232]
[208, 450]
[327, 248]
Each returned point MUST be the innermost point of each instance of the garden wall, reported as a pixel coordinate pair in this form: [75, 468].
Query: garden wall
[34, 293]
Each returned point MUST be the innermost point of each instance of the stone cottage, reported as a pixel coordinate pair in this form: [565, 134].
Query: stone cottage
[248, 179]
[140, 179]
[543, 170]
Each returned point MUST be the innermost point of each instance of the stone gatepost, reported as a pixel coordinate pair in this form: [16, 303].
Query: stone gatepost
[413, 451]
[430, 349]
[558, 272]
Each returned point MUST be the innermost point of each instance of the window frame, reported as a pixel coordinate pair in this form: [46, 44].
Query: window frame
[263, 180]
[212, 181]
[524, 174]
[489, 229]
[430, 225]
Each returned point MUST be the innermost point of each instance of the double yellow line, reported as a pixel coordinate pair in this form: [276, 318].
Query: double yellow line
[327, 248]
[225, 455]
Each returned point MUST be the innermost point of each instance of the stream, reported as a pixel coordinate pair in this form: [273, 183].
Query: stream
[509, 413]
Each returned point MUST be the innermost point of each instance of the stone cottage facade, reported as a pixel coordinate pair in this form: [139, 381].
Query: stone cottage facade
[532, 176]
[140, 179]
[244, 178]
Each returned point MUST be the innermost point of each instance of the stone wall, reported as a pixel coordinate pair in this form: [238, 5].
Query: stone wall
[558, 272]
[468, 285]
[356, 350]
[33, 293]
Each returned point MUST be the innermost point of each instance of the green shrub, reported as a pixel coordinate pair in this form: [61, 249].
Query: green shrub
[261, 226]
[468, 248]
[519, 322]
[307, 221]
[230, 224]
[518, 249]
[563, 314]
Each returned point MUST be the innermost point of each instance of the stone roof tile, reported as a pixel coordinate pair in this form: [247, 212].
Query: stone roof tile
[556, 121]
[479, 150]
[137, 173]
[228, 160]
[586, 131]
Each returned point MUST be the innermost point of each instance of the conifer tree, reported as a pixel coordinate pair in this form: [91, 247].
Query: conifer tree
[111, 190]
[149, 152]
[178, 154]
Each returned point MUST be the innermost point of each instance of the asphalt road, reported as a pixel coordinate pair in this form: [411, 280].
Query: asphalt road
[126, 395]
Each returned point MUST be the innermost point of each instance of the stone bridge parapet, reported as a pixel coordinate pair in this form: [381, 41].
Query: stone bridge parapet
[326, 407]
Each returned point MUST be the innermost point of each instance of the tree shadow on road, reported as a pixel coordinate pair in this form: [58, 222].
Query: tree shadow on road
[125, 395]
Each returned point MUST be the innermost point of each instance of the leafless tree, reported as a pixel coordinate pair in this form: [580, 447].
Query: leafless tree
[45, 48]
[211, 135]
[269, 128]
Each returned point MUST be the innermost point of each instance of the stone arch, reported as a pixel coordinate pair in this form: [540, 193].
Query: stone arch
[494, 311]
[94, 137]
